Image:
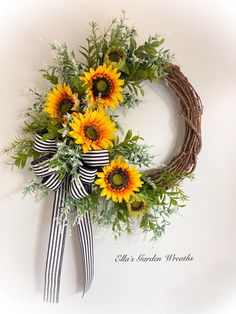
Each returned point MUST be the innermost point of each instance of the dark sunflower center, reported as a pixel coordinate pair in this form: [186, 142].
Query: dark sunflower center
[65, 106]
[118, 179]
[114, 56]
[137, 206]
[91, 132]
[101, 86]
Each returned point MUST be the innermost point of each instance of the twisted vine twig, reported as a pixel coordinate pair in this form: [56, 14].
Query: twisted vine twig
[191, 110]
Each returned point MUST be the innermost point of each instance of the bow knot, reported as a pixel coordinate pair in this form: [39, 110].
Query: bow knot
[79, 186]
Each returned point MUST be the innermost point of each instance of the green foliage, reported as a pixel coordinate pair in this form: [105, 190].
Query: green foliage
[35, 188]
[171, 179]
[38, 101]
[93, 53]
[154, 61]
[67, 159]
[75, 209]
[66, 69]
[130, 101]
[122, 221]
[35, 122]
[42, 122]
[49, 74]
[147, 61]
[164, 202]
[121, 34]
[20, 150]
[130, 149]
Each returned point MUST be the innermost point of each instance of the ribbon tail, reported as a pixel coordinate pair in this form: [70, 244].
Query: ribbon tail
[55, 247]
[85, 233]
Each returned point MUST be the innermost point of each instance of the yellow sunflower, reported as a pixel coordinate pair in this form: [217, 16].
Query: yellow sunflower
[119, 181]
[60, 101]
[116, 57]
[138, 205]
[104, 86]
[94, 130]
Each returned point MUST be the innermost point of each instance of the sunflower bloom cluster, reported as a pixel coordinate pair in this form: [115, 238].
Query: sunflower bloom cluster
[61, 101]
[119, 181]
[138, 205]
[79, 145]
[94, 130]
[104, 86]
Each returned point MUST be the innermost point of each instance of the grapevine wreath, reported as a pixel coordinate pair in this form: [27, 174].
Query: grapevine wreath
[78, 148]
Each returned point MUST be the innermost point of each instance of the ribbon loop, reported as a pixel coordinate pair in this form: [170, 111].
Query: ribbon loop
[41, 166]
[52, 182]
[87, 174]
[77, 189]
[47, 146]
[96, 158]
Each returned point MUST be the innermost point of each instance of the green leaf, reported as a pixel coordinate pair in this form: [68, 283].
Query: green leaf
[130, 88]
[157, 43]
[51, 77]
[128, 136]
[152, 225]
[84, 54]
[120, 216]
[125, 69]
[143, 223]
[133, 44]
[60, 131]
[135, 138]
[173, 202]
[84, 48]
[135, 90]
[77, 82]
[20, 160]
[141, 75]
[51, 134]
[150, 50]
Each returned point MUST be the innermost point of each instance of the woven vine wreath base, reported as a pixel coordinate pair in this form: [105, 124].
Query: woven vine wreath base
[191, 110]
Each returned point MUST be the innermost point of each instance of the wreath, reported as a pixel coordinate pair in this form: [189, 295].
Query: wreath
[79, 150]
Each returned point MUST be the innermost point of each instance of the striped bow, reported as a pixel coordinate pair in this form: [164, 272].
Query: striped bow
[78, 187]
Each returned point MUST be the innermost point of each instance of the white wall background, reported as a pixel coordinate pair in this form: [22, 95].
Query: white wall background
[202, 35]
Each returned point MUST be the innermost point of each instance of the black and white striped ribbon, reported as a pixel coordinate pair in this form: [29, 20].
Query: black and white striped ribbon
[95, 158]
[78, 187]
[84, 228]
[55, 247]
[47, 146]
